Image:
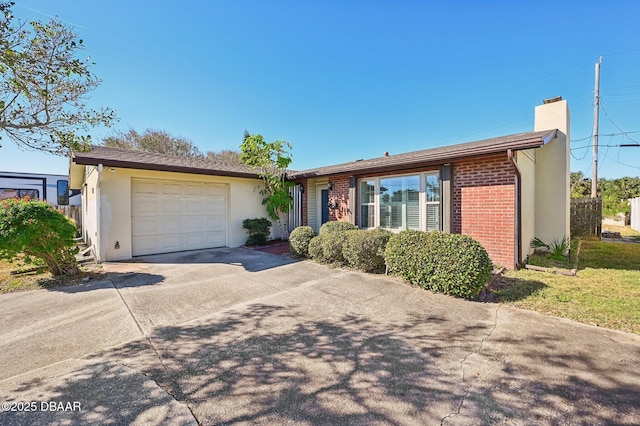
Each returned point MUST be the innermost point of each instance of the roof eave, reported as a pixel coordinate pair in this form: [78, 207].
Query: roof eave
[92, 161]
[431, 159]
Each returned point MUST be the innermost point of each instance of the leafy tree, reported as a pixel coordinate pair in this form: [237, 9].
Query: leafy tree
[37, 230]
[158, 141]
[271, 160]
[226, 156]
[614, 192]
[44, 86]
[580, 186]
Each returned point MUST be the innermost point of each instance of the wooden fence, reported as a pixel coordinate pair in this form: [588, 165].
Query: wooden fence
[586, 217]
[635, 213]
[73, 212]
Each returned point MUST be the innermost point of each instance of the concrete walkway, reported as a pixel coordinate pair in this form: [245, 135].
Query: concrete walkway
[244, 337]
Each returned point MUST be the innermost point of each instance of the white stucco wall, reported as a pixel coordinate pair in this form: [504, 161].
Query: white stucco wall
[552, 209]
[89, 206]
[243, 202]
[527, 166]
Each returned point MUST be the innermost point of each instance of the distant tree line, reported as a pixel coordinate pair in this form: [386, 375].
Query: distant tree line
[161, 142]
[614, 192]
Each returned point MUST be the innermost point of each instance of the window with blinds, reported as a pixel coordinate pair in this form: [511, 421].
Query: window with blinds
[432, 200]
[401, 202]
[367, 204]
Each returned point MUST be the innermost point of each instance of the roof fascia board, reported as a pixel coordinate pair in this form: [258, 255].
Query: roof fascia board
[427, 159]
[91, 161]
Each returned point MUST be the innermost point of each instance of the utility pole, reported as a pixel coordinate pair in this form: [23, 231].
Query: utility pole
[596, 119]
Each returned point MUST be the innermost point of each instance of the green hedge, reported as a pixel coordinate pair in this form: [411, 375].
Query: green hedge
[327, 248]
[299, 240]
[364, 250]
[453, 264]
[331, 227]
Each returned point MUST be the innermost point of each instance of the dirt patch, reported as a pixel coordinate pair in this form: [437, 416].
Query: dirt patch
[14, 278]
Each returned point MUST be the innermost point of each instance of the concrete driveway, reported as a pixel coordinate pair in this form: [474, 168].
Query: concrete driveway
[243, 337]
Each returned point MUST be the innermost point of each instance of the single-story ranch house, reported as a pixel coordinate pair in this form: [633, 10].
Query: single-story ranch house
[502, 191]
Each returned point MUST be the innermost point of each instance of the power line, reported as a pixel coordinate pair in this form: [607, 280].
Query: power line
[605, 135]
[622, 52]
[626, 134]
[624, 164]
[602, 145]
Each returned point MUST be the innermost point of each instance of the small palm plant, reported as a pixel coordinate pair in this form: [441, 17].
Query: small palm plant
[557, 248]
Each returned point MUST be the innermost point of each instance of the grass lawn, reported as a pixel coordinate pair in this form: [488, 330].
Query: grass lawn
[33, 280]
[605, 292]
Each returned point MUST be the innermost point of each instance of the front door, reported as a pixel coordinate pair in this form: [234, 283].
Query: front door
[324, 206]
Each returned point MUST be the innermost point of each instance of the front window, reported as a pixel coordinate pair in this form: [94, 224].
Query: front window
[367, 204]
[401, 202]
[432, 199]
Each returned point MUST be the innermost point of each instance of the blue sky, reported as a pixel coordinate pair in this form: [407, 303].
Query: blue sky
[343, 80]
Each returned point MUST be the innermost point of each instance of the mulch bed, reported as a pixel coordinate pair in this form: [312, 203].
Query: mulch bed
[274, 247]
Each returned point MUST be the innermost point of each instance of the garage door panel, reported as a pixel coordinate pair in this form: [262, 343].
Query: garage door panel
[196, 240]
[144, 207]
[174, 216]
[216, 191]
[216, 207]
[172, 225]
[197, 190]
[171, 206]
[215, 239]
[216, 223]
[172, 242]
[144, 226]
[145, 187]
[145, 245]
[171, 189]
[194, 224]
[195, 206]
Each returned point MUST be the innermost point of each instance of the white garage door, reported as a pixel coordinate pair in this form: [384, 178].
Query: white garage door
[171, 216]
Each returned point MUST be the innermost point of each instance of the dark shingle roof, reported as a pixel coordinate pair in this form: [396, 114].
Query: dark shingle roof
[116, 157]
[435, 155]
[129, 159]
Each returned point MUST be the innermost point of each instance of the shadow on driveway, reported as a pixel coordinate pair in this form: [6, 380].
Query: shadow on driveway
[266, 365]
[249, 260]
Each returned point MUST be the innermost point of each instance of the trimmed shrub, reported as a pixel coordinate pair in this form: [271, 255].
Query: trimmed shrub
[315, 249]
[331, 227]
[453, 264]
[299, 240]
[258, 229]
[364, 250]
[327, 248]
[35, 229]
[406, 257]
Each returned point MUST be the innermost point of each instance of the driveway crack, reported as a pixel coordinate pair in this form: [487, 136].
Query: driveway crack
[468, 387]
[171, 387]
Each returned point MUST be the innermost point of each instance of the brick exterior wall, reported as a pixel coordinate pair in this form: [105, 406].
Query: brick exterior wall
[484, 205]
[339, 194]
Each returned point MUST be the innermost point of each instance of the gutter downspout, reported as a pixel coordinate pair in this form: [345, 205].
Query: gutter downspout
[518, 206]
[98, 216]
